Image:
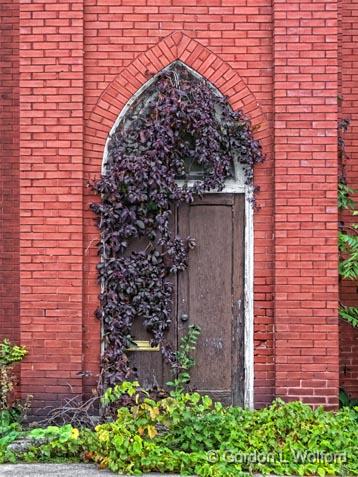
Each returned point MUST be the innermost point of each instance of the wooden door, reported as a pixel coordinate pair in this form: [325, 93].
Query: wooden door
[209, 294]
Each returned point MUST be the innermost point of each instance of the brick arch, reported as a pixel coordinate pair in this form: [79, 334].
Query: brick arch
[176, 46]
[99, 123]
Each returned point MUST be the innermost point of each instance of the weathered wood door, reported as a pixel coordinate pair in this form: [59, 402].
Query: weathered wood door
[209, 294]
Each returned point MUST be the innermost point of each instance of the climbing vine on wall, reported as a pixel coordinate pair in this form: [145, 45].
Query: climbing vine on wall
[348, 230]
[179, 139]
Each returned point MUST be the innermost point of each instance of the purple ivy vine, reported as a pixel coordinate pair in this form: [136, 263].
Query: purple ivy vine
[178, 126]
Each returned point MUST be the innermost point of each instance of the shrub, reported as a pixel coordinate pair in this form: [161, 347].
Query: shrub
[190, 434]
[193, 435]
[9, 354]
[10, 410]
[55, 443]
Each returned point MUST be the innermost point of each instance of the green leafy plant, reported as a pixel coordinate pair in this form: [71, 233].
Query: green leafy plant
[48, 444]
[9, 355]
[115, 393]
[125, 393]
[54, 443]
[350, 314]
[348, 246]
[185, 361]
[348, 250]
[191, 434]
[345, 400]
[119, 395]
[348, 231]
[10, 430]
[11, 410]
[345, 200]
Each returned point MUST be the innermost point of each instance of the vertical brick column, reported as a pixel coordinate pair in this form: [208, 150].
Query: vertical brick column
[306, 285]
[9, 170]
[51, 182]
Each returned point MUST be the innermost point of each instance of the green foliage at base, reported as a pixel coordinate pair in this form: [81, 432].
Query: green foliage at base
[9, 355]
[187, 433]
[190, 434]
[11, 410]
[50, 444]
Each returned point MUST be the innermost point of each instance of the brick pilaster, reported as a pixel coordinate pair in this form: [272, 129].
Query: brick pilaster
[306, 284]
[51, 180]
[9, 170]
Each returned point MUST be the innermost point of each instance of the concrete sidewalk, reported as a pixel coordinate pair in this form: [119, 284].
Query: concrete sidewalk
[77, 470]
[60, 470]
[52, 470]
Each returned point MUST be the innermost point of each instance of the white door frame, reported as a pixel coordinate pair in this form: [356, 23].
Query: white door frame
[232, 186]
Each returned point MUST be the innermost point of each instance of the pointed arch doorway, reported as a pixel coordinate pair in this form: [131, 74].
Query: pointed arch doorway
[215, 292]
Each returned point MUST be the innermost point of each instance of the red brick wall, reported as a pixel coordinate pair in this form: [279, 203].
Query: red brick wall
[80, 61]
[305, 96]
[240, 34]
[9, 170]
[349, 109]
[51, 188]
